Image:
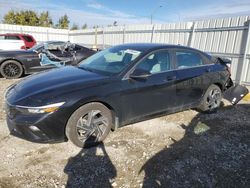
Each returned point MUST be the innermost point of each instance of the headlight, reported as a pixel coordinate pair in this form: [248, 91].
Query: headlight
[41, 109]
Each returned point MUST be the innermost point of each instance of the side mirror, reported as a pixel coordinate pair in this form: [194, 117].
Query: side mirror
[140, 74]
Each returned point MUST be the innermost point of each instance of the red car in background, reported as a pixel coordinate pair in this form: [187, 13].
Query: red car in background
[28, 40]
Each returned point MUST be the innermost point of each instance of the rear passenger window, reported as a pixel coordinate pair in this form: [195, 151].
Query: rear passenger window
[2, 37]
[188, 59]
[12, 38]
[28, 39]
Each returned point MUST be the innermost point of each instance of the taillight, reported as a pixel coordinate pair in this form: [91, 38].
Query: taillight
[23, 47]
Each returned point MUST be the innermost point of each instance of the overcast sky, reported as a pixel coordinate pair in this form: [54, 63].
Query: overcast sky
[97, 12]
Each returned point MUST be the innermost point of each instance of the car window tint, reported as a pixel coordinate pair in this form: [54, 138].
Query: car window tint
[2, 37]
[12, 38]
[156, 62]
[28, 39]
[188, 59]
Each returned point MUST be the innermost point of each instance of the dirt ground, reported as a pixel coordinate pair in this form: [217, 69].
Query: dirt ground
[186, 149]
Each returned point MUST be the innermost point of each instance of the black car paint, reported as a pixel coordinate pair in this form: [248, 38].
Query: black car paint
[131, 100]
[30, 60]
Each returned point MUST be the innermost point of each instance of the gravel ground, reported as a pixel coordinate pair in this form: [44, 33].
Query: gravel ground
[186, 149]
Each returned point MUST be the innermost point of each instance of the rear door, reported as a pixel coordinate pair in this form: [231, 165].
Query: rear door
[155, 94]
[194, 76]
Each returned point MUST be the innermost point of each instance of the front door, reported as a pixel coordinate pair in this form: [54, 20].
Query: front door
[154, 94]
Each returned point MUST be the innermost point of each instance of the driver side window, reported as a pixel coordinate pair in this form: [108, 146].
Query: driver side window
[157, 62]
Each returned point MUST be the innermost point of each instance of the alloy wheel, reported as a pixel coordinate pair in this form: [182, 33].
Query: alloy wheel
[213, 99]
[11, 70]
[91, 126]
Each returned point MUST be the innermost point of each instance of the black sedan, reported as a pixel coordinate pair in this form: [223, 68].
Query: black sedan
[115, 87]
[44, 56]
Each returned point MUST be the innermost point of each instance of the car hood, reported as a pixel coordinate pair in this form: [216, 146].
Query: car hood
[53, 83]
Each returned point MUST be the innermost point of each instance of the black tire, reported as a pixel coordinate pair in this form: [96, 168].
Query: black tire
[211, 100]
[11, 69]
[81, 129]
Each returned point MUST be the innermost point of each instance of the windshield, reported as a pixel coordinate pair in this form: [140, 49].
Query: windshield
[112, 60]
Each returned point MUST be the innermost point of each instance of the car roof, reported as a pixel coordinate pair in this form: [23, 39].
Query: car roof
[154, 46]
[149, 46]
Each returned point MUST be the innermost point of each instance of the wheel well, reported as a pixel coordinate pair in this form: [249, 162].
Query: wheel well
[219, 85]
[108, 106]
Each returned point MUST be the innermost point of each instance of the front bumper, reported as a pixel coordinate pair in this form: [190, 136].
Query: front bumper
[40, 128]
[25, 132]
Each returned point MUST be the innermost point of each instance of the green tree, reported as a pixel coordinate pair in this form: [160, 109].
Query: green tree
[63, 22]
[85, 26]
[45, 19]
[10, 17]
[27, 17]
[95, 26]
[74, 27]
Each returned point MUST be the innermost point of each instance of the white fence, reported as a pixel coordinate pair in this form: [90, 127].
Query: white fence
[229, 37]
[39, 33]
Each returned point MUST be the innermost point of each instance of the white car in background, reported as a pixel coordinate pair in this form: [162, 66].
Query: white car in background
[11, 44]
[16, 41]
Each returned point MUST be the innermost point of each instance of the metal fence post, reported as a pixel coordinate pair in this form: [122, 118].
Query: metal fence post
[96, 37]
[152, 33]
[68, 35]
[103, 37]
[124, 33]
[243, 67]
[47, 35]
[192, 35]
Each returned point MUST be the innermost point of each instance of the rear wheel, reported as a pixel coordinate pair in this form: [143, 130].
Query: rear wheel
[89, 125]
[212, 99]
[11, 69]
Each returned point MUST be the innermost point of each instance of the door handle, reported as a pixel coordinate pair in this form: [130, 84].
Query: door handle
[208, 70]
[170, 78]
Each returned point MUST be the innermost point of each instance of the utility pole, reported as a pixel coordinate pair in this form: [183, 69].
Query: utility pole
[152, 13]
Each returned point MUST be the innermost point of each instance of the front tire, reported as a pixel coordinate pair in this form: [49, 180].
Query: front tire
[11, 69]
[89, 125]
[211, 100]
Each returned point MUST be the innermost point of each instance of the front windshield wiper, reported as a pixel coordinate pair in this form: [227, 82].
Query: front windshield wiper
[95, 71]
[86, 68]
